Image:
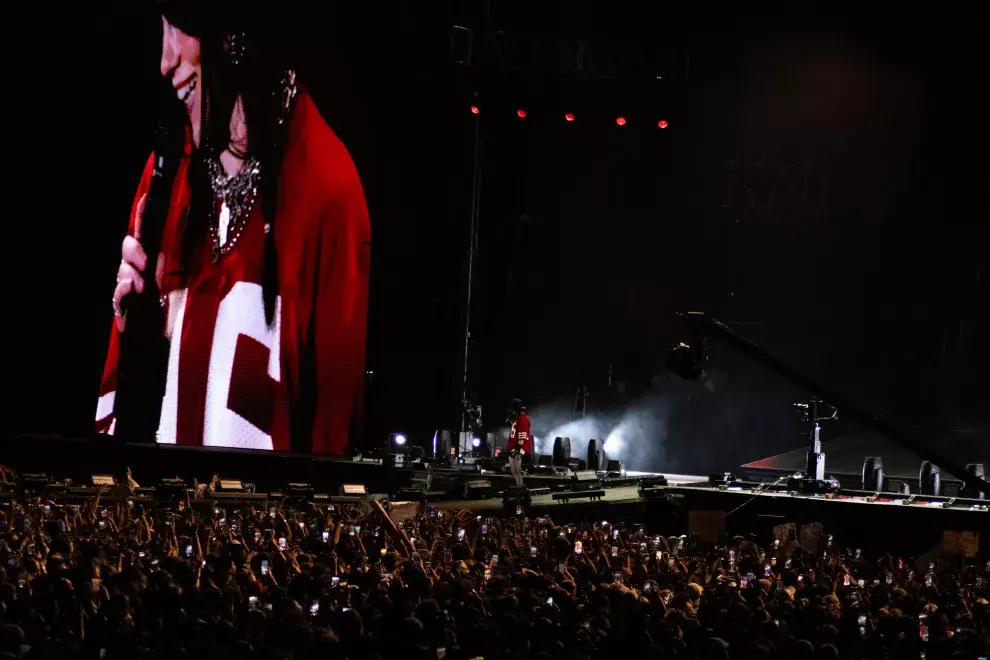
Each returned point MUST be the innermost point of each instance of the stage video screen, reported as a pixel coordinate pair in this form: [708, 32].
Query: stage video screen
[247, 250]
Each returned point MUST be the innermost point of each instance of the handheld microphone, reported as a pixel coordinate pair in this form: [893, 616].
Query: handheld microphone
[143, 358]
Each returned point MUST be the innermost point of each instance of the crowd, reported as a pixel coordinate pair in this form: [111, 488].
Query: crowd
[299, 581]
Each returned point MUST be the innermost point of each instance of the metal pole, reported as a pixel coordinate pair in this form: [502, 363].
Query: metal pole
[475, 214]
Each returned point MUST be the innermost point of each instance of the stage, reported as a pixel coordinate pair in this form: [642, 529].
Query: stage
[914, 521]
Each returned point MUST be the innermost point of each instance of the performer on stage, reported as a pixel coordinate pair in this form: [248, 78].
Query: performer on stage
[265, 252]
[520, 439]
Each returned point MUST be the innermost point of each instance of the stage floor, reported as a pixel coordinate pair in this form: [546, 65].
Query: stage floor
[616, 495]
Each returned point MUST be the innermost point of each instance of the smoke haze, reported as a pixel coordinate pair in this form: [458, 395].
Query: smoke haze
[680, 426]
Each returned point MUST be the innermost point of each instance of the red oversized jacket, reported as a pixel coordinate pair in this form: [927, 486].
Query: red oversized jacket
[232, 380]
[520, 436]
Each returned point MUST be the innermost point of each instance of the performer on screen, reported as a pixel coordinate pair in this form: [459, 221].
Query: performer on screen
[520, 440]
[265, 252]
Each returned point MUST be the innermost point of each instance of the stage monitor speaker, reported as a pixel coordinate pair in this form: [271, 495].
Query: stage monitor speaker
[977, 470]
[595, 454]
[929, 479]
[873, 473]
[613, 466]
[561, 451]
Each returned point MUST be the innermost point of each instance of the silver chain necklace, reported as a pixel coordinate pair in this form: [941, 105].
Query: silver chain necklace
[236, 194]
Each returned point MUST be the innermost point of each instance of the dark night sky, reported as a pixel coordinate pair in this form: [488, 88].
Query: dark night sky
[863, 283]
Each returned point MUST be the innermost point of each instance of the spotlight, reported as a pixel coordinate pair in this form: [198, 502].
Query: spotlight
[475, 442]
[621, 121]
[521, 113]
[663, 123]
[475, 110]
[399, 439]
[569, 116]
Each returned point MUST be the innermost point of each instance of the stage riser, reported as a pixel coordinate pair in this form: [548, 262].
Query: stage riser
[79, 459]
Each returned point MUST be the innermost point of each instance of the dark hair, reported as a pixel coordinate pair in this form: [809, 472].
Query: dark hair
[257, 78]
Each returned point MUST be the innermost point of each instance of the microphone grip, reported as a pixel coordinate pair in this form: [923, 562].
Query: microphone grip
[143, 357]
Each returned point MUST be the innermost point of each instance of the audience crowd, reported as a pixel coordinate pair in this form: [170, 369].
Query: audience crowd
[299, 581]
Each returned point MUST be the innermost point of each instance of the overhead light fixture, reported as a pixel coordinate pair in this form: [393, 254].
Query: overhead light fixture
[399, 439]
[475, 442]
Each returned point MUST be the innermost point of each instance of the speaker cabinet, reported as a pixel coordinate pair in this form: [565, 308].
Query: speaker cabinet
[595, 455]
[561, 451]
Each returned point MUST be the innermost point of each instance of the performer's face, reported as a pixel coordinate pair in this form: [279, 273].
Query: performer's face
[180, 66]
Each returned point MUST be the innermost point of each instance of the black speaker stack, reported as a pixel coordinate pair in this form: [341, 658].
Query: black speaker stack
[561, 451]
[596, 455]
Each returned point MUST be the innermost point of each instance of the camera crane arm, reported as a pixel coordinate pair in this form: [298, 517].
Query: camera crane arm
[701, 324]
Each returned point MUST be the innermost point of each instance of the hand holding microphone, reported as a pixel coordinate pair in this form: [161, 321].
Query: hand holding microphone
[130, 273]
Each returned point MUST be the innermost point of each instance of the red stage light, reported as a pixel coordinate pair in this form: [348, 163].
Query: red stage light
[569, 117]
[521, 113]
[475, 110]
[662, 123]
[621, 121]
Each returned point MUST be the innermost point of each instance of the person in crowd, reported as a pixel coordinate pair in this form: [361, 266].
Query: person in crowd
[297, 580]
[264, 263]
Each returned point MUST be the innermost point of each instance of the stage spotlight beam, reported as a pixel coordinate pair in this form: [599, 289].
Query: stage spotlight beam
[701, 324]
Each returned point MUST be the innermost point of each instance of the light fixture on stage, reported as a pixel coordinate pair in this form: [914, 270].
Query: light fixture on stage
[475, 442]
[399, 439]
[621, 121]
[663, 123]
[354, 489]
[302, 491]
[929, 479]
[521, 113]
[873, 476]
[721, 478]
[231, 485]
[978, 470]
[170, 489]
[103, 480]
[475, 110]
[569, 116]
[686, 361]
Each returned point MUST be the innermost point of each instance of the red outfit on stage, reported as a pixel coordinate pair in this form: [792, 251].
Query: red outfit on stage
[233, 380]
[520, 437]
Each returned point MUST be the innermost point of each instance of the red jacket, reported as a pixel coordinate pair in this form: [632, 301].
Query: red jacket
[520, 437]
[232, 380]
